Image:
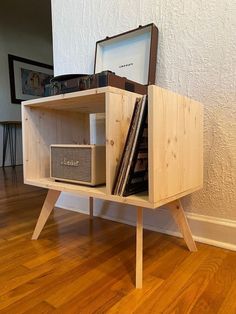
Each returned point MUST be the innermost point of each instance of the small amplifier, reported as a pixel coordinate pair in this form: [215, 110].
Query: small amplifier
[81, 164]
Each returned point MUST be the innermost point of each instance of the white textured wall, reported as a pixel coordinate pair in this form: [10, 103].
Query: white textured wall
[196, 57]
[25, 31]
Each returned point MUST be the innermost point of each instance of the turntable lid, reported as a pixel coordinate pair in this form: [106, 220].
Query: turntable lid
[132, 54]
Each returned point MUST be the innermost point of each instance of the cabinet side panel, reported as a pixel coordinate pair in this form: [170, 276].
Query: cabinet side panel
[176, 161]
[43, 127]
[30, 144]
[119, 109]
[152, 143]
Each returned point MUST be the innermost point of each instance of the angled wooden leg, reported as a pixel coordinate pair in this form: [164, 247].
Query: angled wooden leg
[91, 207]
[47, 208]
[139, 248]
[181, 220]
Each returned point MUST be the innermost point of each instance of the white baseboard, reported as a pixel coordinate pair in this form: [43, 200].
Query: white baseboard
[206, 229]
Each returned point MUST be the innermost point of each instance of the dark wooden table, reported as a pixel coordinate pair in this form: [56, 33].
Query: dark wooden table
[9, 137]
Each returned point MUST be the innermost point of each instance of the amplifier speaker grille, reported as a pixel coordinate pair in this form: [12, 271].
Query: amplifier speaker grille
[71, 163]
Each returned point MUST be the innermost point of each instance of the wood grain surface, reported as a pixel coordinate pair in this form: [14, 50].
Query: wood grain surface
[81, 265]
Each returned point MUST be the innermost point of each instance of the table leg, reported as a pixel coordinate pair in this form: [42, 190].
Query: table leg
[47, 208]
[5, 138]
[11, 145]
[15, 126]
[179, 216]
[139, 248]
[91, 207]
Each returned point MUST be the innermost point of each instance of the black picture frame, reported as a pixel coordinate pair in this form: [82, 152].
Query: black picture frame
[16, 79]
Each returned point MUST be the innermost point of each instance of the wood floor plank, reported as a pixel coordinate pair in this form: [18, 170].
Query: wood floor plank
[135, 297]
[84, 266]
[190, 293]
[229, 305]
[124, 261]
[86, 278]
[64, 274]
[218, 286]
[42, 307]
[167, 292]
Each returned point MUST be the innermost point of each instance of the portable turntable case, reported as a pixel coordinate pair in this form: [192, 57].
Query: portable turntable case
[131, 55]
[126, 61]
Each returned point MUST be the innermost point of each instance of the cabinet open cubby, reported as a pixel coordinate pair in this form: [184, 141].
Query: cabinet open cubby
[174, 132]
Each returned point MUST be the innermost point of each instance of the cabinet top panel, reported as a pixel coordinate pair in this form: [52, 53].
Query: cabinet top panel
[90, 101]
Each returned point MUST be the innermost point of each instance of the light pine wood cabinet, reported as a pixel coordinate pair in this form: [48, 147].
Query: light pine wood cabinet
[175, 149]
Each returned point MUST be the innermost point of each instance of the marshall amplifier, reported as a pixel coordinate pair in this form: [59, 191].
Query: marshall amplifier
[81, 164]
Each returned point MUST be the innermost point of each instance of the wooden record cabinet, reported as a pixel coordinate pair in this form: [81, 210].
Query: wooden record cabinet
[175, 148]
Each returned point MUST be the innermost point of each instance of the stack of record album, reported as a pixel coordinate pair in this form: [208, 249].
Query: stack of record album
[132, 174]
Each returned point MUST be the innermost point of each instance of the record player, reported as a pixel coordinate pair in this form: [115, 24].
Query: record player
[126, 61]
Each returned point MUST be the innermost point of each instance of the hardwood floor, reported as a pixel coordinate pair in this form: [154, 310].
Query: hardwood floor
[84, 266]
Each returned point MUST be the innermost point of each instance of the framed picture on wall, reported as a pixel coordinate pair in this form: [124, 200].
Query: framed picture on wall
[28, 78]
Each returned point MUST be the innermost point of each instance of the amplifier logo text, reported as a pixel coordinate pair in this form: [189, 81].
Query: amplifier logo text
[72, 163]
